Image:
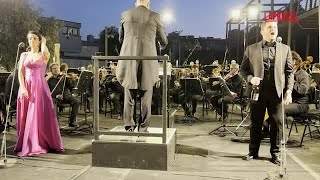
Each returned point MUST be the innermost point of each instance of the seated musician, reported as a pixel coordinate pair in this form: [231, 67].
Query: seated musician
[116, 92]
[176, 92]
[195, 73]
[216, 72]
[234, 83]
[60, 91]
[15, 89]
[90, 67]
[300, 91]
[156, 98]
[102, 88]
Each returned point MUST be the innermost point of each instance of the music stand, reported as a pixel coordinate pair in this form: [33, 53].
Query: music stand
[3, 79]
[74, 70]
[225, 92]
[316, 77]
[191, 86]
[82, 88]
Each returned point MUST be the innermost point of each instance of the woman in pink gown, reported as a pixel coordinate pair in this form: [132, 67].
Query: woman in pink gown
[37, 125]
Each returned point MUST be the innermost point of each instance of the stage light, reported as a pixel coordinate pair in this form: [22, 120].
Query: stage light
[167, 16]
[252, 12]
[235, 14]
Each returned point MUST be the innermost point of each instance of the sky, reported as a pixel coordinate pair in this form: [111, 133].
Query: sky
[205, 18]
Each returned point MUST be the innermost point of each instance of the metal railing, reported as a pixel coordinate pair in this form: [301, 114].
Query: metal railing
[306, 5]
[97, 131]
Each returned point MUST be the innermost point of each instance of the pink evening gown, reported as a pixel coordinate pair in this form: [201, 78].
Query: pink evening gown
[37, 124]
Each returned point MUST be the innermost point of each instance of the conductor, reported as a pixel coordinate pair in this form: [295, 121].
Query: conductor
[139, 29]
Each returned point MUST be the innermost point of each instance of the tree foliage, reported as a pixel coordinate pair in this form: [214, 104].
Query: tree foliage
[50, 28]
[113, 41]
[17, 17]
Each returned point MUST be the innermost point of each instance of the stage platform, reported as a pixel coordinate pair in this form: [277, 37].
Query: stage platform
[134, 152]
[199, 156]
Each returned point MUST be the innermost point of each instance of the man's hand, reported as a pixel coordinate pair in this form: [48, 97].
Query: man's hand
[59, 96]
[234, 94]
[287, 97]
[255, 81]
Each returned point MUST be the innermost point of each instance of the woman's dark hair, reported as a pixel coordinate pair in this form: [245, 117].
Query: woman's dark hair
[39, 36]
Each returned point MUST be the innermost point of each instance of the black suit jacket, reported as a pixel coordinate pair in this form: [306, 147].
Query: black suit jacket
[252, 66]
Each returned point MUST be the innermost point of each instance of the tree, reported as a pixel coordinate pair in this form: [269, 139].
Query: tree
[113, 41]
[50, 28]
[16, 19]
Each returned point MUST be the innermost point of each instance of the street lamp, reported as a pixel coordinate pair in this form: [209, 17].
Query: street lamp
[167, 16]
[107, 35]
[250, 13]
[235, 14]
[179, 32]
[253, 11]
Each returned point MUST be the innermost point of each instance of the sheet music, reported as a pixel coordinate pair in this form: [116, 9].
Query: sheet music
[223, 85]
[160, 69]
[316, 77]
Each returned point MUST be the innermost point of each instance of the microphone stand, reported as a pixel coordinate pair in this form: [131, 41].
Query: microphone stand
[3, 153]
[224, 63]
[186, 61]
[283, 164]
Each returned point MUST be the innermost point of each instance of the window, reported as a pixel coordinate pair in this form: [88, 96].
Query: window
[65, 30]
[74, 31]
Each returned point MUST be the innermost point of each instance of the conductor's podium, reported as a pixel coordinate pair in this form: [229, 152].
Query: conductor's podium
[134, 152]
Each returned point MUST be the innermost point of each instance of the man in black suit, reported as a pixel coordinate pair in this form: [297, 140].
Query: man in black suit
[268, 65]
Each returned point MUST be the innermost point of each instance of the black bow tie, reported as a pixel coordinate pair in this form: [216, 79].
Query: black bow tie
[270, 44]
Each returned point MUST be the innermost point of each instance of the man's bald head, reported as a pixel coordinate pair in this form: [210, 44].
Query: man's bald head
[145, 3]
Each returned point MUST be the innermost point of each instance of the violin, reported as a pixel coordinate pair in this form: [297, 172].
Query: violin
[63, 77]
[72, 76]
[230, 75]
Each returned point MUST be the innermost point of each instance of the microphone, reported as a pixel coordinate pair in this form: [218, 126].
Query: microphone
[279, 39]
[21, 45]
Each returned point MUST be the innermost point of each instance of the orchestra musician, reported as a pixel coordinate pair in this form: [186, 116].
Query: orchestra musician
[13, 104]
[300, 93]
[193, 73]
[60, 86]
[102, 88]
[156, 98]
[216, 73]
[234, 83]
[116, 92]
